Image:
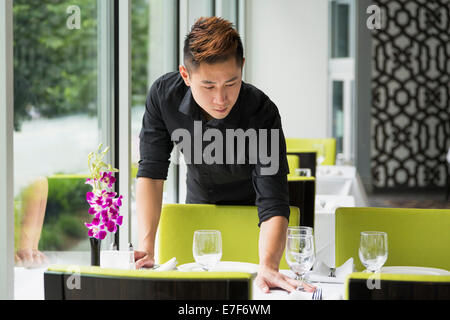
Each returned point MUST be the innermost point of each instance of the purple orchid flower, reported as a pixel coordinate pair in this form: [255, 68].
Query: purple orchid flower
[107, 178]
[104, 206]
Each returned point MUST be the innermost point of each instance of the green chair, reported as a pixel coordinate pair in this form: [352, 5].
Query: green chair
[416, 237]
[64, 282]
[328, 145]
[237, 224]
[383, 286]
[293, 163]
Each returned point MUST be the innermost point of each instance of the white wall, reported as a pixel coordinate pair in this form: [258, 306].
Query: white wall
[287, 57]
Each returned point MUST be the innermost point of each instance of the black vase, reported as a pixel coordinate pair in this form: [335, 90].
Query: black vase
[95, 251]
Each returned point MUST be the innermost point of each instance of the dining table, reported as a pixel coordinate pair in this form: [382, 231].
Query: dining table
[341, 180]
[331, 291]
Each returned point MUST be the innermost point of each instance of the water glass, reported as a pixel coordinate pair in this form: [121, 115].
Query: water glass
[207, 248]
[320, 153]
[299, 230]
[373, 249]
[300, 253]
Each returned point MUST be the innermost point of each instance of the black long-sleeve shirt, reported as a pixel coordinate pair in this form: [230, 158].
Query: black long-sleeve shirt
[170, 106]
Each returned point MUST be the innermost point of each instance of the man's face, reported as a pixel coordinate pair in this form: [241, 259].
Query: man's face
[215, 87]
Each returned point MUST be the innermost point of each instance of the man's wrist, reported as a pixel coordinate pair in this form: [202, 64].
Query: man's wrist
[269, 265]
[150, 252]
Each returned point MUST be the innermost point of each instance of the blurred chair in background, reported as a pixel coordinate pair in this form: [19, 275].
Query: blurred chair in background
[294, 163]
[325, 148]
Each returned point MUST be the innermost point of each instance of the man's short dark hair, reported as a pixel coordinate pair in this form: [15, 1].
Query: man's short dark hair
[212, 40]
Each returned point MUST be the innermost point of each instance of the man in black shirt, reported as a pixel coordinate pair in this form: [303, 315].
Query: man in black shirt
[204, 108]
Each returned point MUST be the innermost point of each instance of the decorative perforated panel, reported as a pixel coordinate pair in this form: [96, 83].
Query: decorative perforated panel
[411, 88]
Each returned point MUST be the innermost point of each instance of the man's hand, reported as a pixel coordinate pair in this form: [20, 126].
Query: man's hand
[270, 278]
[272, 239]
[143, 260]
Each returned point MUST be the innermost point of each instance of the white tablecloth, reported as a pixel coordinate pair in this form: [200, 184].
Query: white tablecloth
[336, 186]
[324, 225]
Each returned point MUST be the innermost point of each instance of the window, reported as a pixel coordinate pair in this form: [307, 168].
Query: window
[154, 53]
[341, 77]
[63, 98]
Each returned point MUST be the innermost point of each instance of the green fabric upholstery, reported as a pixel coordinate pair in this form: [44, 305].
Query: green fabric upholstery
[416, 237]
[294, 163]
[149, 274]
[237, 224]
[363, 285]
[306, 144]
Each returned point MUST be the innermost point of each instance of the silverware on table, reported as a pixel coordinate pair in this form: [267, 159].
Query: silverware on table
[317, 294]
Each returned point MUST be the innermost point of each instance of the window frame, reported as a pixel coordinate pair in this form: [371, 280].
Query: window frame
[343, 69]
[6, 151]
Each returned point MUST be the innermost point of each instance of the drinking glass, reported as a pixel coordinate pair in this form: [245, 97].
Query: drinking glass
[207, 248]
[373, 249]
[300, 254]
[300, 230]
[320, 153]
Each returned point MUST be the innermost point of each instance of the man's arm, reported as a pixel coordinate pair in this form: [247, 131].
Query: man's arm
[272, 239]
[149, 193]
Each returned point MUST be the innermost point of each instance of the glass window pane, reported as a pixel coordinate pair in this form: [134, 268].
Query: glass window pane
[340, 28]
[56, 125]
[154, 53]
[338, 114]
[227, 9]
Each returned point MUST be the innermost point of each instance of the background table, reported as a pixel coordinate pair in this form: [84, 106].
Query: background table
[342, 181]
[324, 225]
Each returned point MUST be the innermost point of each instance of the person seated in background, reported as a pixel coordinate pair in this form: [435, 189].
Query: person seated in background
[31, 219]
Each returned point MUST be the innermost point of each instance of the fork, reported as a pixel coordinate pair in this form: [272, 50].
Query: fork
[317, 294]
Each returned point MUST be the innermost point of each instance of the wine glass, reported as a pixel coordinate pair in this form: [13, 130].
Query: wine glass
[299, 230]
[300, 254]
[207, 248]
[373, 249]
[302, 230]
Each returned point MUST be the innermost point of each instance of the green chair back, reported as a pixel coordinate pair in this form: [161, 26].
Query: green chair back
[416, 237]
[294, 163]
[309, 145]
[383, 286]
[237, 224]
[117, 284]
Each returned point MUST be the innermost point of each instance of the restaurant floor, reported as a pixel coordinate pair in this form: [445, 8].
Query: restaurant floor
[430, 200]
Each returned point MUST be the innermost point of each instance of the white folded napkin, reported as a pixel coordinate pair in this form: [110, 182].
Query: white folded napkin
[321, 272]
[169, 265]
